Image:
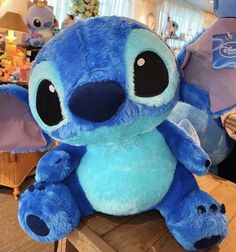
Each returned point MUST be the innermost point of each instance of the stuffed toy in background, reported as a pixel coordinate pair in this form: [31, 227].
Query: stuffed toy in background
[208, 64]
[208, 82]
[40, 21]
[206, 130]
[107, 103]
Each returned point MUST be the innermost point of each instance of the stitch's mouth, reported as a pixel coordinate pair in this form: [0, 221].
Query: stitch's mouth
[97, 101]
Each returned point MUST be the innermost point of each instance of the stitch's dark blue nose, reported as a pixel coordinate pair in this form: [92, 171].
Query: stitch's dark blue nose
[98, 101]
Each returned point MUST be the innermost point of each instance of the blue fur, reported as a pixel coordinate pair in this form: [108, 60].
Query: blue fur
[127, 164]
[106, 172]
[125, 132]
[192, 93]
[179, 208]
[46, 203]
[207, 124]
[59, 163]
[107, 59]
[225, 8]
[195, 96]
[16, 91]
[185, 149]
[213, 137]
[85, 207]
[189, 92]
[22, 95]
[199, 98]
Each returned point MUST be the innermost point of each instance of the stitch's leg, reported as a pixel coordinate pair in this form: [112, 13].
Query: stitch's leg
[196, 220]
[48, 212]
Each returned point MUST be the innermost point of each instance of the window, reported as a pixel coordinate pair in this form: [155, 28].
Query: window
[189, 19]
[61, 9]
[116, 7]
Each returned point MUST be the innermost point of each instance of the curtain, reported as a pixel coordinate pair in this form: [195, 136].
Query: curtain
[107, 8]
[189, 19]
[116, 7]
[60, 8]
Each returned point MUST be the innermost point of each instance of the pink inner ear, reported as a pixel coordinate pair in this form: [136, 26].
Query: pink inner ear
[18, 130]
[197, 68]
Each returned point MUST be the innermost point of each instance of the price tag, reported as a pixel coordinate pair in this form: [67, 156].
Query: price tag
[224, 51]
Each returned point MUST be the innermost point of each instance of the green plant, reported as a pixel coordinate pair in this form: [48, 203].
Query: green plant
[88, 8]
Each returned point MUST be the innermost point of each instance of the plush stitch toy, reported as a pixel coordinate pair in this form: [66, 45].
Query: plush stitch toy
[206, 85]
[40, 20]
[210, 92]
[205, 129]
[107, 101]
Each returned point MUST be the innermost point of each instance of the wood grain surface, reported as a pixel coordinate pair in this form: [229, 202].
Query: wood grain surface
[147, 232]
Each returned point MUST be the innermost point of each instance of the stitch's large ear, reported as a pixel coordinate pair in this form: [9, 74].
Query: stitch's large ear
[18, 130]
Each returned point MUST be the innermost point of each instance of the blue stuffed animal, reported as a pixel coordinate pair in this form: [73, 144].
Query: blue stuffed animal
[224, 8]
[205, 129]
[40, 21]
[209, 92]
[107, 100]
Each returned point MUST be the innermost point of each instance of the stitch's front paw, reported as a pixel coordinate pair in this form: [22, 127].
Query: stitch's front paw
[47, 212]
[55, 166]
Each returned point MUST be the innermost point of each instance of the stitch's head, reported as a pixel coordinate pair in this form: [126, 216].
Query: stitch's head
[39, 18]
[103, 81]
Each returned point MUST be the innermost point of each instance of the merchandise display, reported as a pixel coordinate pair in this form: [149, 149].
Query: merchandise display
[15, 70]
[40, 21]
[107, 104]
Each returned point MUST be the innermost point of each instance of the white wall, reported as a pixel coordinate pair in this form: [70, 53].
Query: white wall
[142, 9]
[18, 6]
[209, 19]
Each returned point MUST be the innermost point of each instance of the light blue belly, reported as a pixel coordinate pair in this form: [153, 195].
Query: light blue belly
[129, 178]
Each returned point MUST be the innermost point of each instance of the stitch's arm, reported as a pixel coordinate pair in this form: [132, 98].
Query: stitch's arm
[191, 155]
[59, 163]
[195, 96]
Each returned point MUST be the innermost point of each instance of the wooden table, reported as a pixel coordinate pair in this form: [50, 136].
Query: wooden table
[147, 232]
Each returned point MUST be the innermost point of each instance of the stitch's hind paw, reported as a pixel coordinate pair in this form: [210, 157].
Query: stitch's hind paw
[47, 212]
[198, 222]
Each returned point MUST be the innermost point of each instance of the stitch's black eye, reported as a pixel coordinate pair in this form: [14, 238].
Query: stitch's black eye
[150, 75]
[37, 23]
[48, 103]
